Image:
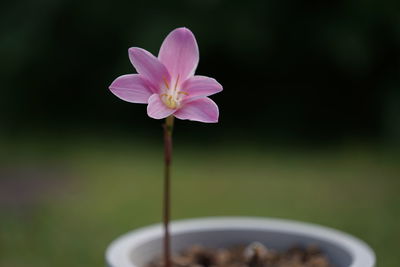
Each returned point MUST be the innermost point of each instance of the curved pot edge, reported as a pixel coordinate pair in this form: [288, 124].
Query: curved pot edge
[118, 249]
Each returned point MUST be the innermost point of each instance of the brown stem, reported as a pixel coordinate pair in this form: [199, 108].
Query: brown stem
[168, 127]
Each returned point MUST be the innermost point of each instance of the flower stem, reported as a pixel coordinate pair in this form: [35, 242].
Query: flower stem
[168, 127]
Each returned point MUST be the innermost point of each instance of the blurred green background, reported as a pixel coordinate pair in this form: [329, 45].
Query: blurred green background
[309, 126]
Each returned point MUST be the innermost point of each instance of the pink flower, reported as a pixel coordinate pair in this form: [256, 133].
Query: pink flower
[167, 83]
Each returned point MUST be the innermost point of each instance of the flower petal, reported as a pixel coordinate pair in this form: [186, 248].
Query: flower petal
[131, 88]
[149, 66]
[156, 109]
[179, 53]
[203, 110]
[201, 86]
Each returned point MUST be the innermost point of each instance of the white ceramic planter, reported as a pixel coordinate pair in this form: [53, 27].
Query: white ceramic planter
[138, 247]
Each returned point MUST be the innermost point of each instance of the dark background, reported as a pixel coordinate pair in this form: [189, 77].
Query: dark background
[293, 71]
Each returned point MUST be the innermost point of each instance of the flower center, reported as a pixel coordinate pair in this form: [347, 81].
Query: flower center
[172, 96]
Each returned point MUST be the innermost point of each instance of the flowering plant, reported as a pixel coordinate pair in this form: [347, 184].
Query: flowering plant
[170, 89]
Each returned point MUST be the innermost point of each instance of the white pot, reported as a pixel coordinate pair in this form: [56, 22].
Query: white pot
[138, 247]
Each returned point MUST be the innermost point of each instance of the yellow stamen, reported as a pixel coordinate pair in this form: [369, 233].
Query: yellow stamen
[166, 82]
[176, 83]
[183, 93]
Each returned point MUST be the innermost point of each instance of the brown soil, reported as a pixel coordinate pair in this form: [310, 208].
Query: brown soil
[254, 255]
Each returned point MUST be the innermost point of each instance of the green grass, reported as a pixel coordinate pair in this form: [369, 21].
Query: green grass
[112, 187]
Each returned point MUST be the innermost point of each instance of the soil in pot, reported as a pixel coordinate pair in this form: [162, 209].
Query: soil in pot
[253, 255]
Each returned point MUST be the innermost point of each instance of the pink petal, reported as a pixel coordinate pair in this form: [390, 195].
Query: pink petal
[203, 110]
[156, 109]
[132, 88]
[201, 86]
[179, 53]
[149, 67]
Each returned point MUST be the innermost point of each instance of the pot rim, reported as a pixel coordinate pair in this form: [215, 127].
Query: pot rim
[118, 252]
